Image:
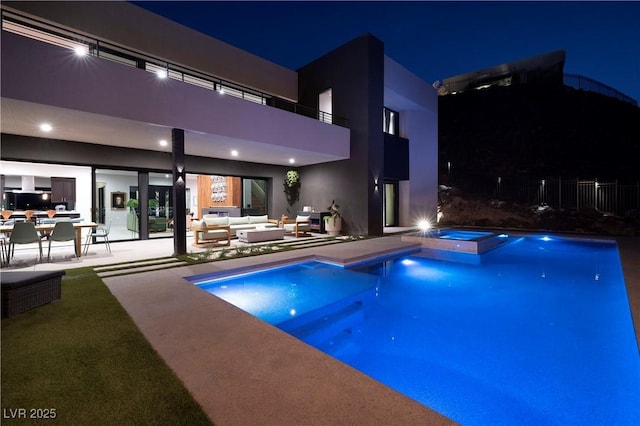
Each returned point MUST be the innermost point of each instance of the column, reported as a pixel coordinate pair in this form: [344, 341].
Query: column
[179, 193]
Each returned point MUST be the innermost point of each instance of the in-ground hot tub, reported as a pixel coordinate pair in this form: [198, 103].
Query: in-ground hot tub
[472, 242]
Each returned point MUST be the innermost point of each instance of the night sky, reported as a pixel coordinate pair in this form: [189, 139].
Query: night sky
[434, 40]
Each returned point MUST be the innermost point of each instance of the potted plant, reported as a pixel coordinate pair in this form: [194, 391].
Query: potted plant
[333, 222]
[153, 207]
[132, 203]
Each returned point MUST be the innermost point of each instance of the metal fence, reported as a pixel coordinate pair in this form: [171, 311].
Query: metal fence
[608, 197]
[581, 82]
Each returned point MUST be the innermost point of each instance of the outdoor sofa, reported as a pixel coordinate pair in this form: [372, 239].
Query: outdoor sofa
[214, 228]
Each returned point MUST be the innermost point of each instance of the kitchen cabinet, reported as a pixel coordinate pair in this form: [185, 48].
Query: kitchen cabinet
[63, 190]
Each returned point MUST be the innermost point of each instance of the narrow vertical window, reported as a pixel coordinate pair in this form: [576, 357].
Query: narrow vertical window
[390, 122]
[325, 106]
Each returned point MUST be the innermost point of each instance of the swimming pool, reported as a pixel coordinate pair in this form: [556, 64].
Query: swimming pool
[538, 332]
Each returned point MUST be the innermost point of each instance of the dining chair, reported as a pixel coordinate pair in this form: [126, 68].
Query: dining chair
[28, 214]
[4, 256]
[63, 231]
[101, 231]
[23, 233]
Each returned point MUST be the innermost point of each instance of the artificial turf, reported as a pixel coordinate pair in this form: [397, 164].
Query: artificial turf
[83, 360]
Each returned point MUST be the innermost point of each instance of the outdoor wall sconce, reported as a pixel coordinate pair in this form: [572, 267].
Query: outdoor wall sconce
[179, 175]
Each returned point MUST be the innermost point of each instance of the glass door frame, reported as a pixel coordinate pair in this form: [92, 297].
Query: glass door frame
[396, 202]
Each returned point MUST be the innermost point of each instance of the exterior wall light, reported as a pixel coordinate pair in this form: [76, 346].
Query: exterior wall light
[424, 225]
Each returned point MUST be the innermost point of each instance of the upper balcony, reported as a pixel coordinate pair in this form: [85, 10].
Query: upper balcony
[111, 97]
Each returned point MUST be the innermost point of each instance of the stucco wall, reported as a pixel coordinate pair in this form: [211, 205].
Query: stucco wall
[126, 24]
[354, 72]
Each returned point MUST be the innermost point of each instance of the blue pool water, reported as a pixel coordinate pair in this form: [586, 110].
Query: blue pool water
[453, 234]
[538, 332]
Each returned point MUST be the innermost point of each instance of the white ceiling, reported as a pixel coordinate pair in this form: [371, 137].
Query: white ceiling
[24, 118]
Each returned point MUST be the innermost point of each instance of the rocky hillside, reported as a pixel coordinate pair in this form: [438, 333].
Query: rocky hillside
[459, 208]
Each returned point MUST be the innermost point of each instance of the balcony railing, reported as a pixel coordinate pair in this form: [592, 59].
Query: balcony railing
[48, 33]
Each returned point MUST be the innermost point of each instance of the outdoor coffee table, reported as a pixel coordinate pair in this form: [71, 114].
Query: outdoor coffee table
[257, 235]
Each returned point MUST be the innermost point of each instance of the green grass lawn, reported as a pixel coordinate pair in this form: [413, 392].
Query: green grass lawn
[83, 357]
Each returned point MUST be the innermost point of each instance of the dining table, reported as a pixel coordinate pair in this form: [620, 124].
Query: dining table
[46, 228]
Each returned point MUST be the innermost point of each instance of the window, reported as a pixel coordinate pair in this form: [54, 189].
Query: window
[390, 122]
[325, 105]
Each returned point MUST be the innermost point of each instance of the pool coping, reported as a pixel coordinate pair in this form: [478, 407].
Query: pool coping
[244, 371]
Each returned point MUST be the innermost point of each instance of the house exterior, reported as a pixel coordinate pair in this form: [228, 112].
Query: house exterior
[143, 108]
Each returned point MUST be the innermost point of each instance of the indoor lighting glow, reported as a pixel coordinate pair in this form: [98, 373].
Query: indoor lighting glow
[234, 153]
[163, 142]
[162, 74]
[291, 160]
[46, 127]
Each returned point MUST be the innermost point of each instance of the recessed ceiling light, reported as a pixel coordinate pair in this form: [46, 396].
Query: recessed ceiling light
[46, 127]
[163, 142]
[234, 153]
[162, 74]
[80, 50]
[292, 160]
